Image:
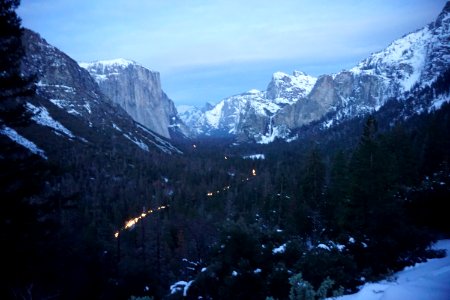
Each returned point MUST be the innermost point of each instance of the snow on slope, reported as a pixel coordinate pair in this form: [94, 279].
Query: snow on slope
[213, 116]
[16, 137]
[118, 62]
[402, 61]
[288, 89]
[42, 117]
[113, 67]
[428, 280]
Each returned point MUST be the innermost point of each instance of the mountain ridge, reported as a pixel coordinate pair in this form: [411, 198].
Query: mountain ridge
[413, 61]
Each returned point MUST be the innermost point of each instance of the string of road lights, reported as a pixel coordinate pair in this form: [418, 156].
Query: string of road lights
[129, 224]
[225, 188]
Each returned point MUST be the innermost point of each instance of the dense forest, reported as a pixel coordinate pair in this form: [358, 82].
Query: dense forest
[313, 218]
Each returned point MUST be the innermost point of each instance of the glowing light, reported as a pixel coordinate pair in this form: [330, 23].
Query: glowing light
[133, 221]
[226, 157]
[209, 194]
[194, 146]
[254, 172]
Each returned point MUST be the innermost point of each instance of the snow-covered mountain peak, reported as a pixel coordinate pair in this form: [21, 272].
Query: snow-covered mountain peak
[117, 62]
[402, 61]
[288, 89]
[102, 69]
[279, 75]
[415, 58]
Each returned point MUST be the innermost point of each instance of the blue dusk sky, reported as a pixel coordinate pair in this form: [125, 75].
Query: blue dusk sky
[206, 50]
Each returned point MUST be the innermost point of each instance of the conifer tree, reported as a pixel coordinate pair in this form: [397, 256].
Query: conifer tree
[364, 179]
[13, 86]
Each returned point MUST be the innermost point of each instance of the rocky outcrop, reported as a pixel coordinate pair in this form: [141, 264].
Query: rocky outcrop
[138, 91]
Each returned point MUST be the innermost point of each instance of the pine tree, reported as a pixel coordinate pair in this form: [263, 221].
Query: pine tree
[338, 191]
[364, 176]
[13, 86]
[314, 179]
[313, 184]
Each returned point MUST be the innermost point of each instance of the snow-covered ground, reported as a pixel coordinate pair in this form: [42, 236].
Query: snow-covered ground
[428, 280]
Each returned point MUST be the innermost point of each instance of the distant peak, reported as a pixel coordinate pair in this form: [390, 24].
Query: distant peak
[279, 75]
[298, 73]
[185, 108]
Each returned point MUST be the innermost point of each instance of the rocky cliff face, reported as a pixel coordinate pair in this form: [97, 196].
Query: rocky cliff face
[409, 63]
[138, 91]
[71, 106]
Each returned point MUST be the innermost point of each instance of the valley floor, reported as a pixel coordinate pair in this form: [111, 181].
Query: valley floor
[428, 280]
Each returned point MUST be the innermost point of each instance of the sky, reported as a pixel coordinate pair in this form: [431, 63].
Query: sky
[206, 50]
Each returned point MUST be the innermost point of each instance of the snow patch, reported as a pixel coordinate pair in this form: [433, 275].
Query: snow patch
[428, 280]
[42, 117]
[213, 116]
[438, 102]
[323, 246]
[116, 127]
[60, 103]
[280, 249]
[88, 107]
[16, 137]
[121, 62]
[181, 286]
[255, 156]
[139, 143]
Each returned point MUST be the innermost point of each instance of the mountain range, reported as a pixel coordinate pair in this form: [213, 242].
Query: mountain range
[124, 99]
[408, 64]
